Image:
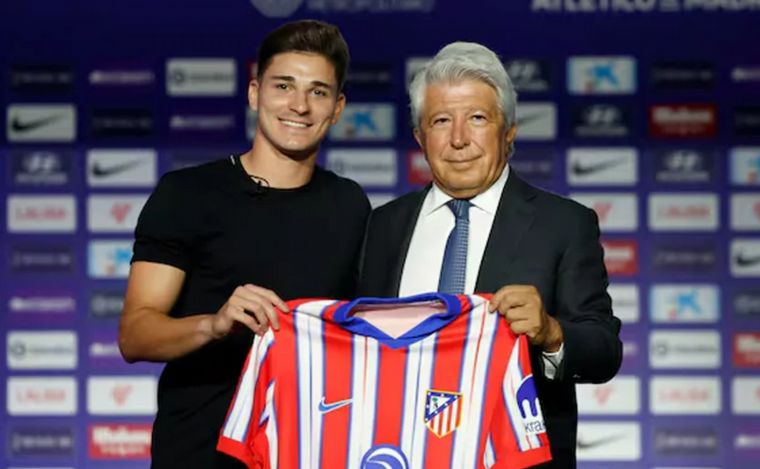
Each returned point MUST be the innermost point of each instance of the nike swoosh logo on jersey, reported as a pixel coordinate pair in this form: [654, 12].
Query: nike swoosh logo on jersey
[105, 171]
[746, 261]
[583, 444]
[582, 170]
[325, 408]
[17, 125]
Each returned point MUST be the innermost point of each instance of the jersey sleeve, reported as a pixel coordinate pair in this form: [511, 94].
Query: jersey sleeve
[518, 436]
[250, 428]
[164, 232]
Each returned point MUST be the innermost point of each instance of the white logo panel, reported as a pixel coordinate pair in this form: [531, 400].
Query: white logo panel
[49, 395]
[42, 350]
[616, 212]
[685, 395]
[684, 349]
[621, 396]
[684, 303]
[41, 123]
[114, 213]
[609, 441]
[536, 121]
[745, 395]
[625, 301]
[374, 168]
[201, 77]
[601, 75]
[602, 166]
[745, 257]
[680, 212]
[745, 212]
[109, 259]
[121, 395]
[42, 214]
[122, 168]
[745, 166]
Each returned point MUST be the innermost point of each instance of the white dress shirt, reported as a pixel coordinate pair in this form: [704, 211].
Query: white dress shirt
[422, 268]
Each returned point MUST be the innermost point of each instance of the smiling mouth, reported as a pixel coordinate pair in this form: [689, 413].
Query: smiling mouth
[295, 124]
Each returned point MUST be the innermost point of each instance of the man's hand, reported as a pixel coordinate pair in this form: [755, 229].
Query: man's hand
[250, 305]
[524, 310]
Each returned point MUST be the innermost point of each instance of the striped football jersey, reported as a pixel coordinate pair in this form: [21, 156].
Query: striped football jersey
[332, 390]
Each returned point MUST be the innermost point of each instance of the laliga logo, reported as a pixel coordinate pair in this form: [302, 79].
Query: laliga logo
[530, 411]
[276, 8]
[384, 457]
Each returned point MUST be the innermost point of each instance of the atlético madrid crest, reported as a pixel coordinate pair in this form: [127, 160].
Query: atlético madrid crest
[443, 411]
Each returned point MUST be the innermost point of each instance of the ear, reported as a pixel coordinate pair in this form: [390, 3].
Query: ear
[253, 94]
[340, 105]
[419, 138]
[509, 136]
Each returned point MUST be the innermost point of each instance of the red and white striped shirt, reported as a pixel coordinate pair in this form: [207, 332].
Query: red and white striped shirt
[331, 389]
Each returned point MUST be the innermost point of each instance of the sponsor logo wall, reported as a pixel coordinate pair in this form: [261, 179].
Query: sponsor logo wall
[661, 142]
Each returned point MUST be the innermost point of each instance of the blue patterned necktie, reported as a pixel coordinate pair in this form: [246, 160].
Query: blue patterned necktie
[454, 267]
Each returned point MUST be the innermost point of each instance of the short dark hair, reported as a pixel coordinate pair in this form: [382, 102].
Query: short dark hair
[312, 36]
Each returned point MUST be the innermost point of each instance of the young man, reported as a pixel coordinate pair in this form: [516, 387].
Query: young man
[218, 246]
[480, 228]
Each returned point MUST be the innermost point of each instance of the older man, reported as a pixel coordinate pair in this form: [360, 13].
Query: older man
[480, 228]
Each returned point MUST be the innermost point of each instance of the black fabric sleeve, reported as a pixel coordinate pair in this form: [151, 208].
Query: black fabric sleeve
[593, 350]
[164, 232]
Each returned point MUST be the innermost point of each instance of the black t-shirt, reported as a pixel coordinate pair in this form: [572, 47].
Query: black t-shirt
[213, 223]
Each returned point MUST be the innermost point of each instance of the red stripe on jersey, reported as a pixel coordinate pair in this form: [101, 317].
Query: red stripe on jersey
[286, 395]
[338, 365]
[390, 398]
[493, 404]
[447, 371]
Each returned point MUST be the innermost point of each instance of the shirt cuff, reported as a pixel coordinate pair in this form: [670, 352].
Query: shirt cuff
[552, 361]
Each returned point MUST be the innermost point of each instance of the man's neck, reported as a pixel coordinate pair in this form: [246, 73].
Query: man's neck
[280, 171]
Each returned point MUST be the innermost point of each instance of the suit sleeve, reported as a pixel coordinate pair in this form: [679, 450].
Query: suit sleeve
[593, 350]
[251, 419]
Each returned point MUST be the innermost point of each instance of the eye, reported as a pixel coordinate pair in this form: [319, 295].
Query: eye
[440, 120]
[281, 86]
[320, 92]
[478, 118]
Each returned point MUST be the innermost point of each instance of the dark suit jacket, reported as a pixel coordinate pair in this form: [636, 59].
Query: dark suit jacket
[540, 239]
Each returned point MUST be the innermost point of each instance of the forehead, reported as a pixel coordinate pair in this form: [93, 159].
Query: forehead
[468, 92]
[305, 66]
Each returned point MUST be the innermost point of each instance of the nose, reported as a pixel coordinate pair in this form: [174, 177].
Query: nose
[460, 134]
[299, 102]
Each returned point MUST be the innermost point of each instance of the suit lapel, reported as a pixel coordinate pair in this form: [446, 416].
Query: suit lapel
[513, 218]
[402, 237]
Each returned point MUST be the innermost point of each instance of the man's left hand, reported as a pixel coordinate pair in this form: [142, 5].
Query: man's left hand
[524, 310]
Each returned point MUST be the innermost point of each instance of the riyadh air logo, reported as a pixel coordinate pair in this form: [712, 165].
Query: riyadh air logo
[745, 257]
[530, 409]
[745, 166]
[443, 411]
[276, 8]
[692, 303]
[384, 457]
[365, 122]
[601, 75]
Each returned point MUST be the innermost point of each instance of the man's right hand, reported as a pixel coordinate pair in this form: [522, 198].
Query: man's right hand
[250, 305]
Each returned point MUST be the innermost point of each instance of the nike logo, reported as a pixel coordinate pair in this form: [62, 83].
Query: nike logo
[583, 444]
[744, 261]
[582, 170]
[325, 408]
[17, 125]
[104, 171]
[527, 119]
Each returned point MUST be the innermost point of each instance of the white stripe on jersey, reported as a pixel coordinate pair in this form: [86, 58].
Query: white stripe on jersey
[489, 457]
[424, 382]
[512, 380]
[363, 397]
[239, 417]
[474, 373]
[271, 431]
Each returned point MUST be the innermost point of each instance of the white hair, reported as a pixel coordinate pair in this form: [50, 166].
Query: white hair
[460, 61]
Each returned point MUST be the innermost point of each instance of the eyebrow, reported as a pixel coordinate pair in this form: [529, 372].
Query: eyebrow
[291, 79]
